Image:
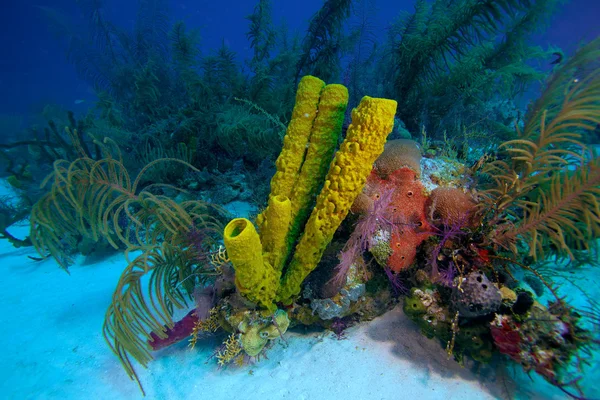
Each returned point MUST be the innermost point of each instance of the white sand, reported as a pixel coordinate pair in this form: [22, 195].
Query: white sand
[53, 349]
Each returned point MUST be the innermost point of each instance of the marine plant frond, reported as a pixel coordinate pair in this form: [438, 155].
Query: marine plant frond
[149, 290]
[548, 192]
[322, 39]
[364, 41]
[151, 29]
[460, 46]
[565, 215]
[184, 44]
[102, 31]
[274, 120]
[221, 73]
[577, 77]
[98, 200]
[412, 24]
[89, 62]
[147, 90]
[261, 33]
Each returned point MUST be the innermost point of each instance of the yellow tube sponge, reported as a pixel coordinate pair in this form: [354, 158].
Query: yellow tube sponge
[255, 279]
[274, 229]
[296, 137]
[323, 141]
[372, 121]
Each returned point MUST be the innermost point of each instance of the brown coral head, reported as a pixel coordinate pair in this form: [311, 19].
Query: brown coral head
[451, 206]
[397, 154]
[361, 204]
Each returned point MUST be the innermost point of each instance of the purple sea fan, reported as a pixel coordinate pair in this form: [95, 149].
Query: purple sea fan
[198, 243]
[447, 232]
[377, 218]
[398, 286]
[446, 276]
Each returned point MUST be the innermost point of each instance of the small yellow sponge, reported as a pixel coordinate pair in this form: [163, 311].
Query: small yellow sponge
[274, 230]
[372, 121]
[255, 278]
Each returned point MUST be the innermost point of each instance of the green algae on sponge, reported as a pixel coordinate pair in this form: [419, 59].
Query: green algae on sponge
[255, 278]
[372, 121]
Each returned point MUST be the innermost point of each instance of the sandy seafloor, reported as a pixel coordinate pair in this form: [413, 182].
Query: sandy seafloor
[53, 348]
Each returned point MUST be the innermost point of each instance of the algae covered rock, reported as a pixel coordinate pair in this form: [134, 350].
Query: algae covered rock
[255, 333]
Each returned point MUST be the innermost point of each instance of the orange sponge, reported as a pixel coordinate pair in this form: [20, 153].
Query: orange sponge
[407, 213]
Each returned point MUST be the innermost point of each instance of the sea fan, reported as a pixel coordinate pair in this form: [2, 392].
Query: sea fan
[398, 286]
[446, 233]
[377, 219]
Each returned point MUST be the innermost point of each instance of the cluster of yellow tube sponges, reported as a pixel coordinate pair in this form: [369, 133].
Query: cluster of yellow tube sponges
[292, 218]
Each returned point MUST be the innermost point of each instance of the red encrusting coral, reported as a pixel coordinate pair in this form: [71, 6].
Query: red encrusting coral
[507, 337]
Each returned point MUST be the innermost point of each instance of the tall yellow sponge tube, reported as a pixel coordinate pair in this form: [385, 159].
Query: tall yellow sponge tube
[255, 278]
[323, 141]
[372, 121]
[297, 136]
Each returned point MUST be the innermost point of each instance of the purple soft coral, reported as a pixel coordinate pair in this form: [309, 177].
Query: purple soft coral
[446, 276]
[198, 243]
[377, 218]
[398, 286]
[447, 232]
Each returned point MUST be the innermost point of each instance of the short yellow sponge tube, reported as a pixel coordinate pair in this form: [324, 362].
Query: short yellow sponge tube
[274, 230]
[372, 121]
[255, 278]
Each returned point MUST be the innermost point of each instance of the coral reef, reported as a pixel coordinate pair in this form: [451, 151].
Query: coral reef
[540, 342]
[347, 173]
[342, 235]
